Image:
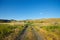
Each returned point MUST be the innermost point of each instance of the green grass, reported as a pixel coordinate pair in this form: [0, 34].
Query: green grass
[5, 30]
[51, 28]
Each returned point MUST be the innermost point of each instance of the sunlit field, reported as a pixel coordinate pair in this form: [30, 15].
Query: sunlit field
[9, 32]
[42, 29]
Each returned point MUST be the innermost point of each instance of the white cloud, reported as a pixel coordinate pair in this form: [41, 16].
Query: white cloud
[41, 13]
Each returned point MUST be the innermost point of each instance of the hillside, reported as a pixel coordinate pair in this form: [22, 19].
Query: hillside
[39, 29]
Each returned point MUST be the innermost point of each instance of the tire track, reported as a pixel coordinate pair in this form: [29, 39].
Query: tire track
[22, 34]
[37, 36]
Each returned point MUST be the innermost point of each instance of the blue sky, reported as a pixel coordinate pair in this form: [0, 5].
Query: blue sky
[29, 9]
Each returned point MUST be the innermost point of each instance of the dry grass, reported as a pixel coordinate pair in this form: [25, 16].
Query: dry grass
[30, 35]
[47, 35]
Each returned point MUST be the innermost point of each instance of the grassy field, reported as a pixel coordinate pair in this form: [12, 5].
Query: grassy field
[48, 28]
[6, 30]
[45, 29]
[53, 32]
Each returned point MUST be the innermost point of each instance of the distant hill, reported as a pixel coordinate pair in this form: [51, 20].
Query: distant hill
[45, 22]
[4, 20]
[49, 20]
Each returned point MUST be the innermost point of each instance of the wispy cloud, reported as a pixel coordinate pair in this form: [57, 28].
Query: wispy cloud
[41, 13]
